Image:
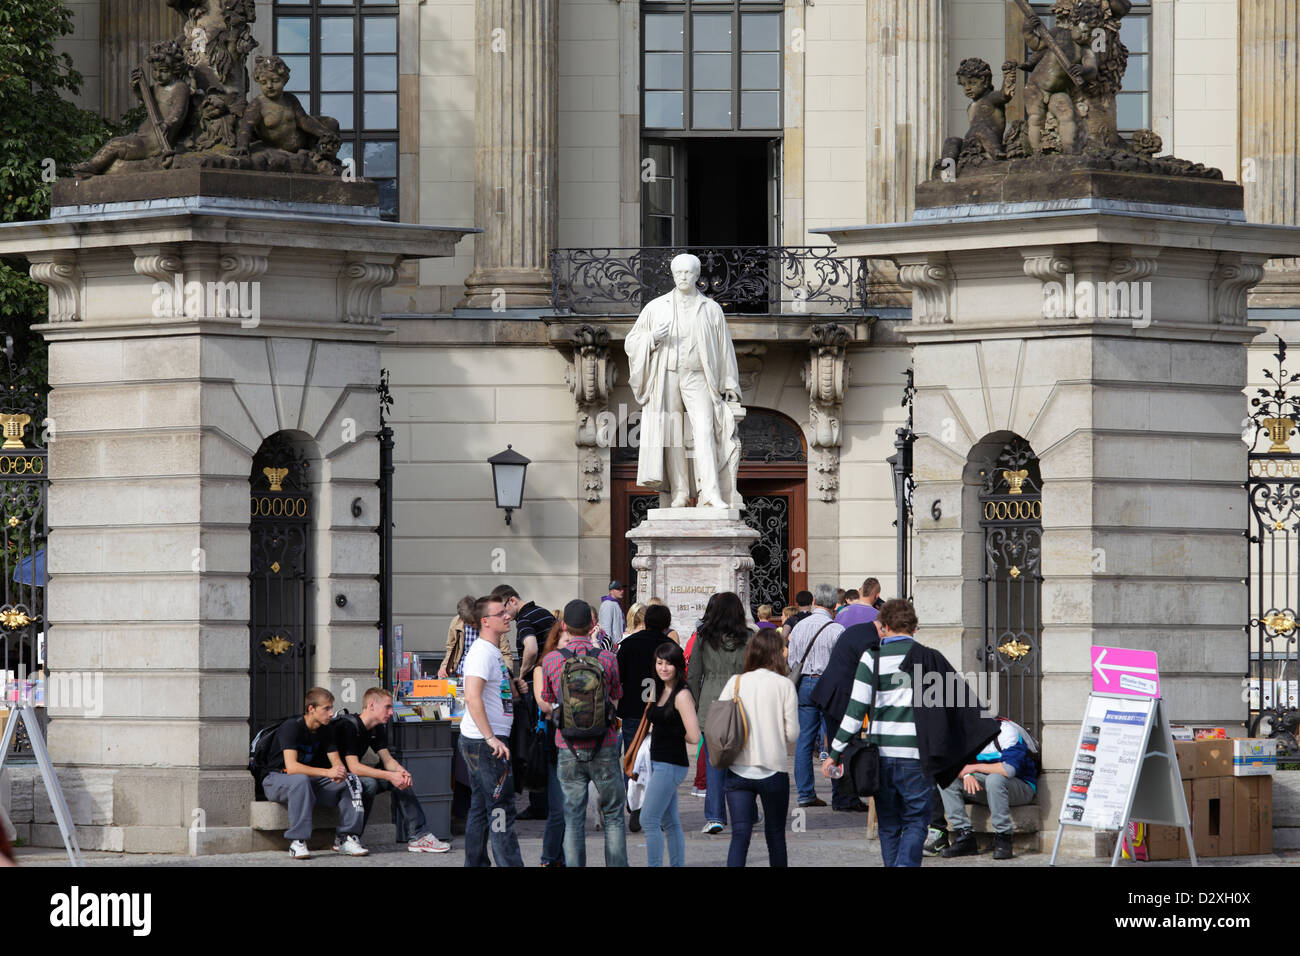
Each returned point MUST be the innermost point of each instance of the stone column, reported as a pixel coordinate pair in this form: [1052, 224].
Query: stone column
[1269, 90]
[516, 131]
[907, 97]
[127, 30]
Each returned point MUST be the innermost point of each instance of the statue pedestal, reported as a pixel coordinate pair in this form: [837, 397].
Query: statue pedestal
[686, 555]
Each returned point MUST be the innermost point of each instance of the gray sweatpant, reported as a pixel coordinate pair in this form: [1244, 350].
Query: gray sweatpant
[301, 793]
[997, 792]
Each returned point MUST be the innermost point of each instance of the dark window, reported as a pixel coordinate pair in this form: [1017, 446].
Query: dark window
[342, 58]
[711, 65]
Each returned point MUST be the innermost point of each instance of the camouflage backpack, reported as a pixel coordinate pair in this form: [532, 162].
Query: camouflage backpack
[585, 710]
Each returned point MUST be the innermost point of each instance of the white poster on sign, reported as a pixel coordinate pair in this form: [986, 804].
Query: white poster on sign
[1111, 743]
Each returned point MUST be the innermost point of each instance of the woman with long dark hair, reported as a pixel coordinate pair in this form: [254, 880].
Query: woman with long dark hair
[719, 655]
[759, 770]
[673, 724]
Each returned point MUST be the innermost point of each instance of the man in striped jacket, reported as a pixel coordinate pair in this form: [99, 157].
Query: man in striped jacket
[903, 800]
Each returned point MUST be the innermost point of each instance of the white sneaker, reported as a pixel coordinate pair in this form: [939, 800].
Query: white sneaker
[298, 850]
[351, 846]
[428, 844]
[697, 792]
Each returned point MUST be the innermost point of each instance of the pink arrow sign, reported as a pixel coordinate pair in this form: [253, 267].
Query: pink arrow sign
[1121, 670]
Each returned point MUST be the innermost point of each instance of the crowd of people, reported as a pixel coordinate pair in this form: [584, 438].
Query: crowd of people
[613, 705]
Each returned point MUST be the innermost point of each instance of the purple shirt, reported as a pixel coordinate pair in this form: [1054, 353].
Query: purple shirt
[856, 614]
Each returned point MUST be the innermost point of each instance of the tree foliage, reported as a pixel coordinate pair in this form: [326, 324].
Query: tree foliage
[41, 135]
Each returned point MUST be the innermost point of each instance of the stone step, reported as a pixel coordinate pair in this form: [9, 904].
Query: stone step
[269, 820]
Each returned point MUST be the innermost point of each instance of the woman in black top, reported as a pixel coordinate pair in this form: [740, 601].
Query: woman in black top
[673, 725]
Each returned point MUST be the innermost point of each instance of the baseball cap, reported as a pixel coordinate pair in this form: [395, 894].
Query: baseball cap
[615, 585]
[577, 613]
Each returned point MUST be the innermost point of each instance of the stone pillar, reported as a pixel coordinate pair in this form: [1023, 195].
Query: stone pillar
[1269, 90]
[157, 405]
[128, 29]
[907, 94]
[1134, 413]
[516, 131]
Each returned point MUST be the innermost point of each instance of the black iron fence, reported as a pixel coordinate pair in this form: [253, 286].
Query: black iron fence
[24, 484]
[744, 280]
[1273, 559]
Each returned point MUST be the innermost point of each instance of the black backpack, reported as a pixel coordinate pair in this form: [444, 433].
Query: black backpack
[260, 751]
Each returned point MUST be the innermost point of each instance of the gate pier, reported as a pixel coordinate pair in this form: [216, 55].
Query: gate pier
[1129, 398]
[159, 400]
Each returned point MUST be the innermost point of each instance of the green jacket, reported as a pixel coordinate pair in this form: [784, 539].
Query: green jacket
[709, 670]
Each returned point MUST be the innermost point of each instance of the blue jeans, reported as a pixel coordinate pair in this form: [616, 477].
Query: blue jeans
[605, 770]
[715, 799]
[659, 815]
[808, 745]
[486, 773]
[553, 835]
[903, 807]
[412, 813]
[743, 795]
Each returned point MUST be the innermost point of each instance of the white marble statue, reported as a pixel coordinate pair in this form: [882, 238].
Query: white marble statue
[682, 367]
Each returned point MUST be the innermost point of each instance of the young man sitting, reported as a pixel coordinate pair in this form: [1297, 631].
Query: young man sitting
[368, 730]
[305, 769]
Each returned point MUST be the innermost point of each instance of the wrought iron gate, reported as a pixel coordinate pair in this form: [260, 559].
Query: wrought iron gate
[1273, 559]
[24, 483]
[1011, 516]
[280, 536]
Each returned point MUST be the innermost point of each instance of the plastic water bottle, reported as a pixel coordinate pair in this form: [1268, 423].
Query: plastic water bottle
[837, 769]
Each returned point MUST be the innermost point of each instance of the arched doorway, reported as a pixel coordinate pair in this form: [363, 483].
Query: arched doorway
[773, 481]
[280, 516]
[1011, 519]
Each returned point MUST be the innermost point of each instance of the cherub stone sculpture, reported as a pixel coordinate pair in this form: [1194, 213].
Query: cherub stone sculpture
[278, 120]
[200, 113]
[1058, 71]
[170, 92]
[987, 113]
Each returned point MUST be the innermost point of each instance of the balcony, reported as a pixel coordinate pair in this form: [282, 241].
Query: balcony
[744, 280]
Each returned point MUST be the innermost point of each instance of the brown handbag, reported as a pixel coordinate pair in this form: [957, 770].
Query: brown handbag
[643, 728]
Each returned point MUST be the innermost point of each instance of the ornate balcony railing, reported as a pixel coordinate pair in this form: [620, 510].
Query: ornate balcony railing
[744, 280]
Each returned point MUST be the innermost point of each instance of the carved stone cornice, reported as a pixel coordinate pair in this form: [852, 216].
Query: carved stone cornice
[360, 286]
[244, 264]
[159, 263]
[591, 379]
[1048, 267]
[1230, 283]
[58, 272]
[932, 285]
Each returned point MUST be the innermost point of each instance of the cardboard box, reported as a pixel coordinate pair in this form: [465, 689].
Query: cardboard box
[1253, 815]
[1213, 815]
[1165, 843]
[1253, 757]
[1203, 758]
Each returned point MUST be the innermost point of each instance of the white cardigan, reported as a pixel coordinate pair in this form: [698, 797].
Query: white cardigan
[772, 709]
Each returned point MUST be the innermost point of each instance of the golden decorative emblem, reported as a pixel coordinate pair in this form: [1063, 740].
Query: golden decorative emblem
[13, 618]
[275, 567]
[275, 476]
[14, 426]
[13, 521]
[1278, 429]
[1015, 571]
[1279, 622]
[276, 645]
[1279, 525]
[1015, 479]
[1014, 650]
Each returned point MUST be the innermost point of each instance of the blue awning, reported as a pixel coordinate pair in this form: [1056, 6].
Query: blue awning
[23, 574]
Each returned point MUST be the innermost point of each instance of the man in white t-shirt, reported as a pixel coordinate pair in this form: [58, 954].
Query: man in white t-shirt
[489, 714]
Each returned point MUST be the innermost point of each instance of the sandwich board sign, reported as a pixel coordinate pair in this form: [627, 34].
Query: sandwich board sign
[1124, 768]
